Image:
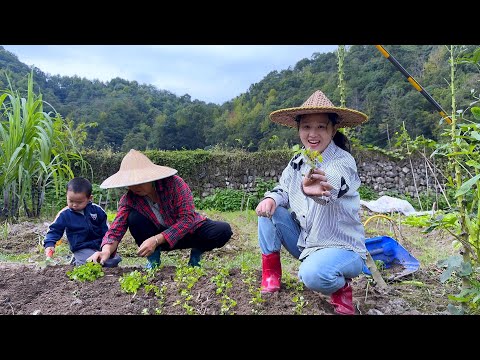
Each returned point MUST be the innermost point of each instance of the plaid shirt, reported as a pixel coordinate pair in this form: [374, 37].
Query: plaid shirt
[176, 207]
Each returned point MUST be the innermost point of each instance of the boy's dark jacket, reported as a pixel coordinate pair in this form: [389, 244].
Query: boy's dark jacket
[83, 230]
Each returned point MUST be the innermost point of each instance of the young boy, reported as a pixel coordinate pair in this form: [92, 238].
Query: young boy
[84, 222]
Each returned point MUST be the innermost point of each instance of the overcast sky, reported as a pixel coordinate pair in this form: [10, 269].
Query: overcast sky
[210, 73]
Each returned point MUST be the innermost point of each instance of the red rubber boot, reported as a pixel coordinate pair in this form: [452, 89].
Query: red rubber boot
[271, 272]
[342, 300]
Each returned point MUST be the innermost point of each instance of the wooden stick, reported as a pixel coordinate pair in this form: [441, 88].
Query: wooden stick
[375, 273]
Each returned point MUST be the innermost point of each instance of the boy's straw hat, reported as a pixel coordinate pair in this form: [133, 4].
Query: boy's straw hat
[318, 103]
[136, 169]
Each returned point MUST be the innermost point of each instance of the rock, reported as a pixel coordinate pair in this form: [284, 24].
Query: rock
[374, 312]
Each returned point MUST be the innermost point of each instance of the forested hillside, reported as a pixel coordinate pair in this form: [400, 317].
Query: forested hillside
[122, 114]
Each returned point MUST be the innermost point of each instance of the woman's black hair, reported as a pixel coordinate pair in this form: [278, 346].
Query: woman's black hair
[339, 138]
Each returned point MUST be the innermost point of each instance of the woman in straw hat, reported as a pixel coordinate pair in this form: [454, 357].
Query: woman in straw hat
[313, 211]
[158, 210]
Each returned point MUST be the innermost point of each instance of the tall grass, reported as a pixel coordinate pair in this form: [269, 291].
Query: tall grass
[37, 149]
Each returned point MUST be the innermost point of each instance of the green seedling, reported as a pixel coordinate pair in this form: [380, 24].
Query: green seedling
[186, 277]
[89, 271]
[313, 157]
[380, 265]
[300, 304]
[161, 297]
[254, 290]
[223, 284]
[4, 230]
[292, 283]
[131, 282]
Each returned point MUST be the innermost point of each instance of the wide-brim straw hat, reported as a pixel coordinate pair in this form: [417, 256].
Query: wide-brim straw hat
[136, 169]
[318, 103]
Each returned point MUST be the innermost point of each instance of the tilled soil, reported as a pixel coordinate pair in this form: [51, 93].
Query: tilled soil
[29, 288]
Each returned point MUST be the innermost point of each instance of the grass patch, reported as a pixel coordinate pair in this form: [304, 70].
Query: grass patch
[14, 257]
[243, 249]
[428, 253]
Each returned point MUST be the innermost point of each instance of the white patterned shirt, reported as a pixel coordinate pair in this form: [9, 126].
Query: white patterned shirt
[326, 222]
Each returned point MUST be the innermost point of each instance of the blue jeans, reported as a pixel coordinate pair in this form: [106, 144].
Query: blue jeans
[325, 270]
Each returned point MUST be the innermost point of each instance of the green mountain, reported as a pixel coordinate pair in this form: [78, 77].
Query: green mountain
[122, 114]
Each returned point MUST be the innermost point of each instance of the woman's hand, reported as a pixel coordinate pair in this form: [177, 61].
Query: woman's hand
[149, 245]
[99, 256]
[104, 254]
[266, 207]
[315, 184]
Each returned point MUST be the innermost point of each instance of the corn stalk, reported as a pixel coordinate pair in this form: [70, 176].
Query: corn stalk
[36, 150]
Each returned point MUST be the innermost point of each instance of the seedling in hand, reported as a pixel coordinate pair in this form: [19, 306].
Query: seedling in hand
[312, 156]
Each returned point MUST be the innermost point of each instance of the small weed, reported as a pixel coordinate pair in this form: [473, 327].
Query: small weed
[292, 282]
[380, 265]
[4, 230]
[300, 304]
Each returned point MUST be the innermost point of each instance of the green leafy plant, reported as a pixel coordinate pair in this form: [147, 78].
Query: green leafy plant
[313, 157]
[131, 282]
[223, 285]
[469, 296]
[234, 200]
[417, 221]
[292, 282]
[366, 193]
[297, 298]
[111, 216]
[160, 293]
[262, 186]
[226, 200]
[89, 271]
[300, 303]
[186, 277]
[253, 288]
[463, 155]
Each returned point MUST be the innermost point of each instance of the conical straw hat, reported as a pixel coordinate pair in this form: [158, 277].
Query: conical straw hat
[136, 169]
[318, 103]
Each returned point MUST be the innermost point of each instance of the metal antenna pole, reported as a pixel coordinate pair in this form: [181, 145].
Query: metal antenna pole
[414, 83]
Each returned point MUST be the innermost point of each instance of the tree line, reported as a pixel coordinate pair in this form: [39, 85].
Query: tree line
[121, 114]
